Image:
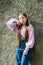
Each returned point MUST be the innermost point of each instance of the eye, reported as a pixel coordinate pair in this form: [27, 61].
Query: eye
[19, 18]
[22, 17]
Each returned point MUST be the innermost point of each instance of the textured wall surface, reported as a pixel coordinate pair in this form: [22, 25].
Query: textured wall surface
[34, 11]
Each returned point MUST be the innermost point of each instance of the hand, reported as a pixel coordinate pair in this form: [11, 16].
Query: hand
[18, 23]
[25, 52]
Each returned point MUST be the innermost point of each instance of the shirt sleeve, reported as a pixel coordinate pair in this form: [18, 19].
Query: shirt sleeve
[31, 39]
[11, 24]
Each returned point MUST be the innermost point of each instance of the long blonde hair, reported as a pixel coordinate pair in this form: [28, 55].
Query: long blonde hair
[19, 32]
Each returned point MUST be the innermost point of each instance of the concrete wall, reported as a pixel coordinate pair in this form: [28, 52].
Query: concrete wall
[34, 11]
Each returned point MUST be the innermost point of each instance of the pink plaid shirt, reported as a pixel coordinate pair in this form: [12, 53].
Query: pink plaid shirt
[11, 24]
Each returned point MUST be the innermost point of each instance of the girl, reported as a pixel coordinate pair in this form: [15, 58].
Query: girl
[25, 37]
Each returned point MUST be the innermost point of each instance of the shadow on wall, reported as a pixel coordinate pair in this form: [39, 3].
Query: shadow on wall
[37, 51]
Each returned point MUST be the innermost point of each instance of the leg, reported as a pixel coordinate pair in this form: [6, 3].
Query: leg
[18, 56]
[25, 59]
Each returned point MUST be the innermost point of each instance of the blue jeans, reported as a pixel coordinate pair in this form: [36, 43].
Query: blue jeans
[20, 58]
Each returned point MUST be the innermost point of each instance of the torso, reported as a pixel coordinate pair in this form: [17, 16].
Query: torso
[23, 30]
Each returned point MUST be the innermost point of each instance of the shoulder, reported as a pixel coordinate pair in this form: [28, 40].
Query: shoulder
[31, 26]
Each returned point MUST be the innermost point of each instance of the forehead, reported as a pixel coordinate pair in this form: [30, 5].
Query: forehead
[21, 15]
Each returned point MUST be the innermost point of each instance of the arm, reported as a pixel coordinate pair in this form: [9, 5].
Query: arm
[31, 39]
[11, 24]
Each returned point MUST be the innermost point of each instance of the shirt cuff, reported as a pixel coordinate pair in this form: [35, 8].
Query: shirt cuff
[27, 48]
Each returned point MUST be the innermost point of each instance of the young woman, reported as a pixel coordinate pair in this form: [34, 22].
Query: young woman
[25, 37]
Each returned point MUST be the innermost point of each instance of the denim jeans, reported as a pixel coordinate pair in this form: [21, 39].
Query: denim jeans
[20, 58]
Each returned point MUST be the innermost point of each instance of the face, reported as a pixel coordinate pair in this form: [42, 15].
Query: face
[22, 19]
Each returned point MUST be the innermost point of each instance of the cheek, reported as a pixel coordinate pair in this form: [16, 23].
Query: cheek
[25, 19]
[20, 21]
[24, 22]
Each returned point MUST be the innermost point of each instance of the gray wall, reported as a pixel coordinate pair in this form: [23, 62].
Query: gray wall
[34, 11]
